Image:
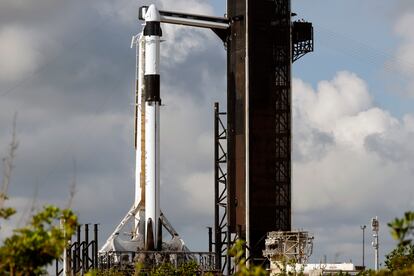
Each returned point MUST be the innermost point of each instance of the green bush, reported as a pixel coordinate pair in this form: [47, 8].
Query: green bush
[31, 248]
[238, 252]
[400, 261]
[400, 258]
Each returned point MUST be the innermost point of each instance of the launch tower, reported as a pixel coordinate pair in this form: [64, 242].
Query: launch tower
[262, 44]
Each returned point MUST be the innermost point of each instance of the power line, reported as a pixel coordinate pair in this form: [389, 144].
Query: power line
[361, 51]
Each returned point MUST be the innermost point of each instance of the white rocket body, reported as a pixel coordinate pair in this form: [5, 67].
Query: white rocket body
[147, 176]
[152, 164]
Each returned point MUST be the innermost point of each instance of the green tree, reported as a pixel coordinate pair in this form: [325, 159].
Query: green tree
[29, 249]
[6, 212]
[237, 251]
[189, 268]
[402, 230]
[401, 257]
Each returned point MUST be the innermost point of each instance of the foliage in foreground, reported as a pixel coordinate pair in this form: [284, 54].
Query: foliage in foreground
[107, 272]
[38, 244]
[237, 251]
[186, 269]
[402, 257]
[400, 261]
[402, 229]
[6, 212]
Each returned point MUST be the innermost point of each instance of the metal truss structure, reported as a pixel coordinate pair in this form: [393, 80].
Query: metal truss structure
[282, 112]
[288, 246]
[223, 237]
[302, 39]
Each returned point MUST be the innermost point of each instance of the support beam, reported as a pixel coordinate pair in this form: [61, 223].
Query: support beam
[219, 25]
[194, 20]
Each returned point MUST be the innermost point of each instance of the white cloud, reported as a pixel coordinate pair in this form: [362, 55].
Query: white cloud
[409, 122]
[181, 42]
[18, 55]
[197, 192]
[193, 6]
[344, 96]
[184, 41]
[357, 166]
[24, 4]
[404, 56]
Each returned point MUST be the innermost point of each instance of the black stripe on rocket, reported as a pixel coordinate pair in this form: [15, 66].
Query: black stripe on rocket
[152, 81]
[152, 88]
[152, 28]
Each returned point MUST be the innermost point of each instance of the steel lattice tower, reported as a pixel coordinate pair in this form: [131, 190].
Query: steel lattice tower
[262, 44]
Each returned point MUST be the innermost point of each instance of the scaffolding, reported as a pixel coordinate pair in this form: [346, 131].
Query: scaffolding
[288, 247]
[224, 239]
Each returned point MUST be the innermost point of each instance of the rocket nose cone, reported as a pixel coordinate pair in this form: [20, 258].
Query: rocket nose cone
[152, 14]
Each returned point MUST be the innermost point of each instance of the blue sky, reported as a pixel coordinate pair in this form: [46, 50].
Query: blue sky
[355, 36]
[67, 69]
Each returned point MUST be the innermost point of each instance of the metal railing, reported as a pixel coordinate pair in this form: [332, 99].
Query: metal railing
[81, 255]
[126, 260]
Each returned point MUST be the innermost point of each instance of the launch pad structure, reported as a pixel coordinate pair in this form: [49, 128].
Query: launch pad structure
[252, 138]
